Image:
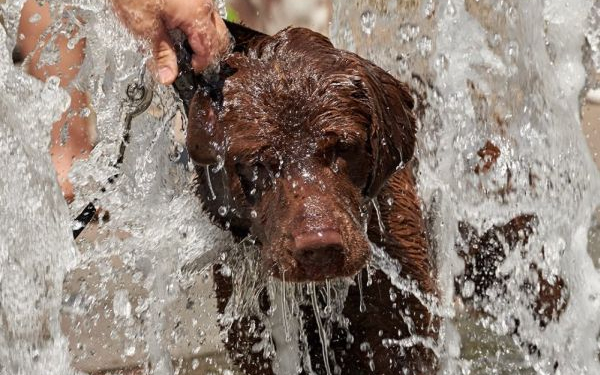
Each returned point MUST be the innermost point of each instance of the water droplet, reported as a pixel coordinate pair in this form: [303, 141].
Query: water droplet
[512, 50]
[367, 22]
[350, 338]
[130, 350]
[495, 40]
[35, 18]
[450, 9]
[424, 46]
[223, 210]
[53, 83]
[73, 42]
[362, 307]
[365, 347]
[468, 289]
[253, 214]
[441, 63]
[121, 305]
[407, 33]
[429, 9]
[334, 167]
[226, 271]
[220, 164]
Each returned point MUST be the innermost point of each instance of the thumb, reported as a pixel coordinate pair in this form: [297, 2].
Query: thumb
[165, 58]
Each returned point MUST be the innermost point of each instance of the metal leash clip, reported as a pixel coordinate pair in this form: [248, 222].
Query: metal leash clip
[139, 99]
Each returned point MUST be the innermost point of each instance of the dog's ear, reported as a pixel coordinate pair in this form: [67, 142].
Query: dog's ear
[243, 36]
[202, 95]
[204, 136]
[393, 126]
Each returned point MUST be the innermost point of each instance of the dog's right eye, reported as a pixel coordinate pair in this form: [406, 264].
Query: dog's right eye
[343, 147]
[343, 150]
[255, 179]
[247, 179]
[348, 158]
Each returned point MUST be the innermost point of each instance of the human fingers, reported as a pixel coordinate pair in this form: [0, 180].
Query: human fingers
[143, 18]
[205, 30]
[218, 41]
[165, 58]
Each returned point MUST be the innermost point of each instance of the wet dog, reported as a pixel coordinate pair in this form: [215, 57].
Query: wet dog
[307, 149]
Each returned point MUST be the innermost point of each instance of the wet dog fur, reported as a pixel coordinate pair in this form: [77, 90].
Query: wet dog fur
[298, 145]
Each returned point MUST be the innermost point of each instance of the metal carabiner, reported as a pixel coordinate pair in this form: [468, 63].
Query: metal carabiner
[139, 100]
[139, 97]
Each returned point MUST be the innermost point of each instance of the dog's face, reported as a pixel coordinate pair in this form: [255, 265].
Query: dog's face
[306, 135]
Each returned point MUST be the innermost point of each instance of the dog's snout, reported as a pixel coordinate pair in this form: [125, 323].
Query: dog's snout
[320, 253]
[308, 242]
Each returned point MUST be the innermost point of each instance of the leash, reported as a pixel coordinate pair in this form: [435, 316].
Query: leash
[211, 80]
[139, 99]
[186, 85]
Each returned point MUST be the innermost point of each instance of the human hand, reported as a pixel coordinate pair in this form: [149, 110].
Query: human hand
[198, 19]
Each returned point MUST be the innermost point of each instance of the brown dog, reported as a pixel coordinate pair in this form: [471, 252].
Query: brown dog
[298, 144]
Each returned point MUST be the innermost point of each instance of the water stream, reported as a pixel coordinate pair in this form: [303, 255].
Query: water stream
[136, 291]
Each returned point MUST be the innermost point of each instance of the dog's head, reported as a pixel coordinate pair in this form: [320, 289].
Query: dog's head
[304, 135]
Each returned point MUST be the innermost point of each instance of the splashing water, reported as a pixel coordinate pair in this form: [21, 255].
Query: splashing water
[156, 227]
[511, 73]
[34, 255]
[505, 72]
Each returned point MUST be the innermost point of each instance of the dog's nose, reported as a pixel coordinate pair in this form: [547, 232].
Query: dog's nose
[320, 253]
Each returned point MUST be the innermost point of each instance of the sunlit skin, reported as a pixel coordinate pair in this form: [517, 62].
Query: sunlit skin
[78, 143]
[71, 136]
